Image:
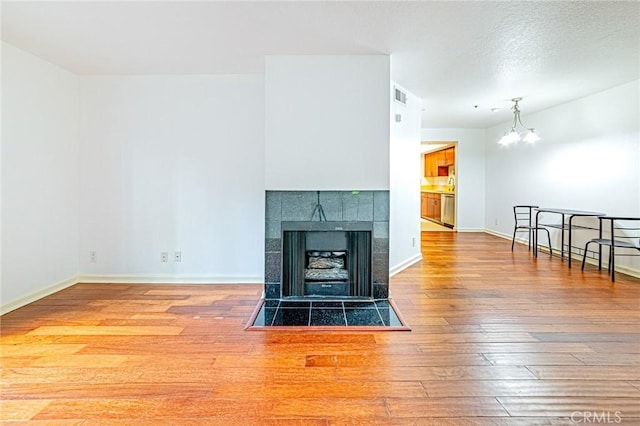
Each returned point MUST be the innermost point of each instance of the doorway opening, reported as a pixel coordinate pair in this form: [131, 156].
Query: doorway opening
[438, 186]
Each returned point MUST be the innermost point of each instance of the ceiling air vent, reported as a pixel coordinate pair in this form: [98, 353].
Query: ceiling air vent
[399, 96]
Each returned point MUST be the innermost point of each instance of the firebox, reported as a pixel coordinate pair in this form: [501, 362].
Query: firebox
[327, 259]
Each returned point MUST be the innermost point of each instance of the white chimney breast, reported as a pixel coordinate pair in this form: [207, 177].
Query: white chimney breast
[327, 122]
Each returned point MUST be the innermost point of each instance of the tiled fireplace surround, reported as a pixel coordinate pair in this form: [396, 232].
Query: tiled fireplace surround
[338, 206]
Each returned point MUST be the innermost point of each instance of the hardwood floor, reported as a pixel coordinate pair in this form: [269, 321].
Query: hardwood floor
[498, 338]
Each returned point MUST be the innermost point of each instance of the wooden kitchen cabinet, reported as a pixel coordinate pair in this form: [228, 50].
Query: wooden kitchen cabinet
[437, 163]
[430, 206]
[436, 208]
[450, 156]
[424, 205]
[430, 166]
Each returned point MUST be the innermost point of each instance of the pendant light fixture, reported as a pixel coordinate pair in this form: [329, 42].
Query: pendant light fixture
[513, 136]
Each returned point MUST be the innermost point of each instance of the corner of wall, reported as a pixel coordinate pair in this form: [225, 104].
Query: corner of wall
[39, 294]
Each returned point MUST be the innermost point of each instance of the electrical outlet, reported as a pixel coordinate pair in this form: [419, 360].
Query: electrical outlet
[413, 242]
[177, 256]
[164, 257]
[495, 221]
[93, 257]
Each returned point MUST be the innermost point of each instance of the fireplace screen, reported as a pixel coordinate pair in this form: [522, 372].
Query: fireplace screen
[326, 262]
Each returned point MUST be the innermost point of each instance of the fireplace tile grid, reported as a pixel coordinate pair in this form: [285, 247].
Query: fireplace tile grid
[315, 314]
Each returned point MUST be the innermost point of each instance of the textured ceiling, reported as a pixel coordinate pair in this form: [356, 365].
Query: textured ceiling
[454, 55]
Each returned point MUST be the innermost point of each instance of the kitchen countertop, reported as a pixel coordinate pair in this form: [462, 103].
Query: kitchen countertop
[437, 191]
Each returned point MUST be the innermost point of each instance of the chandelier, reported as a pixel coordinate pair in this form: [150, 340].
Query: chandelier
[513, 136]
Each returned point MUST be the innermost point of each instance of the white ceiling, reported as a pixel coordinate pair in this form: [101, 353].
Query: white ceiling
[452, 54]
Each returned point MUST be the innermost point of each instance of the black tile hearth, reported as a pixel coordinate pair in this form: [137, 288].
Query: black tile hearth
[327, 316]
[363, 316]
[288, 313]
[329, 305]
[291, 316]
[359, 305]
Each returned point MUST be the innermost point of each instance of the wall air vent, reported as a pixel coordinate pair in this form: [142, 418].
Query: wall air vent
[399, 96]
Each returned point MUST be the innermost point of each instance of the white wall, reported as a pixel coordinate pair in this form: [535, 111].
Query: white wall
[404, 227]
[588, 158]
[470, 174]
[172, 163]
[39, 175]
[327, 122]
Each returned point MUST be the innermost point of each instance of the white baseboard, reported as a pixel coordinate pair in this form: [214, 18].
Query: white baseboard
[126, 279]
[625, 270]
[501, 235]
[168, 279]
[619, 268]
[30, 298]
[470, 230]
[405, 264]
[201, 279]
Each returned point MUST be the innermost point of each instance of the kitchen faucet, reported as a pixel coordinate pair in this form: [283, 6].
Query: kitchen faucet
[452, 183]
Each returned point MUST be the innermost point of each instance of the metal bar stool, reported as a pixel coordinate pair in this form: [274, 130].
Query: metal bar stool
[524, 222]
[624, 234]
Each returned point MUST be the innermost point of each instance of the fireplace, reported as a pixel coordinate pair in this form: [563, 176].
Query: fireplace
[327, 259]
[327, 245]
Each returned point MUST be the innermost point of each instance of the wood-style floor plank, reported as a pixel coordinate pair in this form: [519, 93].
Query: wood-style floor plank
[581, 372]
[540, 388]
[498, 338]
[15, 410]
[537, 358]
[445, 407]
[106, 330]
[627, 408]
